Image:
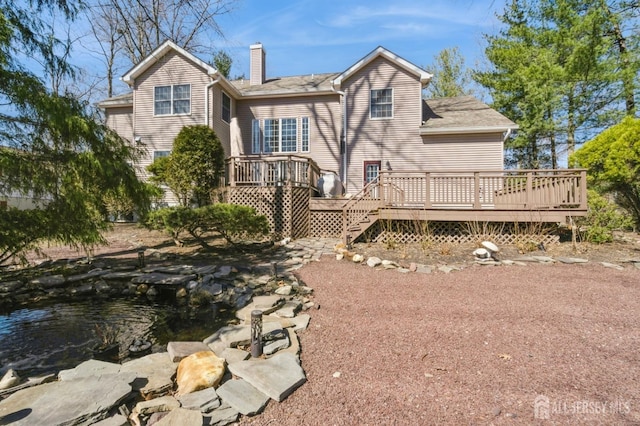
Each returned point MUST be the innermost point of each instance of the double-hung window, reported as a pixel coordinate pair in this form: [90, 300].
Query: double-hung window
[280, 135]
[172, 100]
[381, 104]
[226, 108]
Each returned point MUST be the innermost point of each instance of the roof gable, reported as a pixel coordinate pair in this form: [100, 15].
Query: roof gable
[380, 51]
[157, 54]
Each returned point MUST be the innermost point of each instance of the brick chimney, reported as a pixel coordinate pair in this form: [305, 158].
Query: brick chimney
[257, 64]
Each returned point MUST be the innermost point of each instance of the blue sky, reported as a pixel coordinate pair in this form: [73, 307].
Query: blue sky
[304, 37]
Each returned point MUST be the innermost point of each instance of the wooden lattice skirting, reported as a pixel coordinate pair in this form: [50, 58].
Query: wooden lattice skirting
[286, 207]
[501, 233]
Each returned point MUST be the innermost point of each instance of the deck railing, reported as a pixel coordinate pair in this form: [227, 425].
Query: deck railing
[508, 189]
[275, 170]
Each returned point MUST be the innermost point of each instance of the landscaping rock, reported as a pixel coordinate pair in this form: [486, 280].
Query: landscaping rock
[238, 335]
[48, 281]
[289, 309]
[117, 420]
[180, 350]
[198, 371]
[570, 260]
[9, 380]
[181, 417]
[154, 372]
[232, 355]
[374, 261]
[285, 290]
[163, 279]
[243, 397]
[89, 368]
[222, 416]
[82, 401]
[156, 405]
[277, 377]
[612, 266]
[205, 400]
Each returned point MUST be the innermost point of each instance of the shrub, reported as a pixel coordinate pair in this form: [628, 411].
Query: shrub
[229, 220]
[602, 219]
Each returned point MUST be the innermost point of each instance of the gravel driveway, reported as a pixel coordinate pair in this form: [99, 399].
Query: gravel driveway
[471, 347]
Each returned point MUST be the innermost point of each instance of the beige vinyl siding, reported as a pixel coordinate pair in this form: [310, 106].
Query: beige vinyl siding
[158, 132]
[396, 142]
[120, 120]
[462, 152]
[384, 139]
[221, 127]
[325, 124]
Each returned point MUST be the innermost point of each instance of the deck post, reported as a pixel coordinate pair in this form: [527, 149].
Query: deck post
[232, 171]
[381, 187]
[427, 190]
[528, 201]
[476, 190]
[583, 189]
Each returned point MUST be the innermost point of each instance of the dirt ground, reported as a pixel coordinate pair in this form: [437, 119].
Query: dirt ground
[126, 238]
[479, 346]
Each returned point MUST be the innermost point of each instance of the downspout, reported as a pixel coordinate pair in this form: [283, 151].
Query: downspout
[344, 135]
[206, 100]
[504, 140]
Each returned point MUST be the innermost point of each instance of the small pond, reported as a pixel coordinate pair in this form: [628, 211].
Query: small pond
[46, 339]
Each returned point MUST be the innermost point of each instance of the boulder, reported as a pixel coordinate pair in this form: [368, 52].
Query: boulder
[198, 371]
[374, 261]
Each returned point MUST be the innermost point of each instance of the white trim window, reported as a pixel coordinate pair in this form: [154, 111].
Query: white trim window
[226, 108]
[255, 137]
[305, 135]
[280, 135]
[172, 100]
[381, 103]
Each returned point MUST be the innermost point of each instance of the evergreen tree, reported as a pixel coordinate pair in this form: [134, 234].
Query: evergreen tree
[556, 71]
[52, 146]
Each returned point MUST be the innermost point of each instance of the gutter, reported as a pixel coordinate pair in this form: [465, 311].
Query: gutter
[466, 130]
[344, 134]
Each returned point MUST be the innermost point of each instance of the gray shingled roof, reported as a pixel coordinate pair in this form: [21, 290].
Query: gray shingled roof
[462, 113]
[284, 85]
[118, 100]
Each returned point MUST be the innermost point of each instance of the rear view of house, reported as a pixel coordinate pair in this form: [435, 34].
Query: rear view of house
[354, 127]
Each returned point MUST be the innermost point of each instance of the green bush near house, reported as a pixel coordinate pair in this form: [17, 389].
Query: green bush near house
[602, 219]
[231, 221]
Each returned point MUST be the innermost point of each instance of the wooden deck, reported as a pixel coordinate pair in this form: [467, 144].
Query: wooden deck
[452, 195]
[478, 196]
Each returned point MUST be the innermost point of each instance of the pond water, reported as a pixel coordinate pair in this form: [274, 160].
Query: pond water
[47, 339]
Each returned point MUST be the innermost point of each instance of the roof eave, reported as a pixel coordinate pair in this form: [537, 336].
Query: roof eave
[114, 104]
[425, 131]
[424, 76]
[130, 76]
